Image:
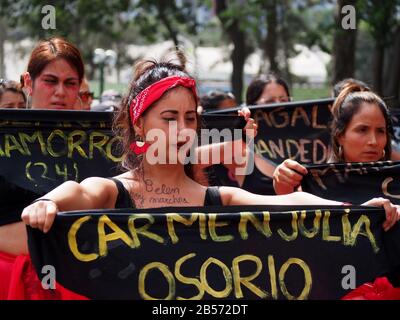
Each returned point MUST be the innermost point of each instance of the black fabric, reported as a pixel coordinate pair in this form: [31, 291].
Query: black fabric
[256, 182]
[259, 183]
[354, 182]
[124, 200]
[213, 197]
[41, 149]
[296, 252]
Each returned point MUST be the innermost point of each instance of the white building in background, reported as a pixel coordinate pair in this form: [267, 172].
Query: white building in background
[210, 65]
[16, 58]
[310, 64]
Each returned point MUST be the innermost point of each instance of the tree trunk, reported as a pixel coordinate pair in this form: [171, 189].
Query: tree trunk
[344, 44]
[2, 49]
[285, 43]
[173, 33]
[238, 57]
[377, 65]
[239, 52]
[271, 42]
[393, 72]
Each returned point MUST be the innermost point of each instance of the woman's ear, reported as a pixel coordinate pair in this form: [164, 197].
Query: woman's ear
[340, 139]
[28, 83]
[138, 127]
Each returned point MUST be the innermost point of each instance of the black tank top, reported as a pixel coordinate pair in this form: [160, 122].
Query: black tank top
[124, 200]
[255, 182]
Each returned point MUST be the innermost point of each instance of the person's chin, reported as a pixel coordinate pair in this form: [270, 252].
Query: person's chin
[370, 157]
[59, 107]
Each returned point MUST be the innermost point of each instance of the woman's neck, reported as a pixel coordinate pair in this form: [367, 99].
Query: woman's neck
[164, 173]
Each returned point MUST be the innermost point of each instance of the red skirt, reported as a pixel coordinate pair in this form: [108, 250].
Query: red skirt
[19, 281]
[381, 289]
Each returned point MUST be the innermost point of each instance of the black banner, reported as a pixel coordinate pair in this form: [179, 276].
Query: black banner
[296, 130]
[396, 129]
[354, 182]
[41, 149]
[253, 252]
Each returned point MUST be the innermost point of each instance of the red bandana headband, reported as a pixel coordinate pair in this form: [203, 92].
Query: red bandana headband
[154, 92]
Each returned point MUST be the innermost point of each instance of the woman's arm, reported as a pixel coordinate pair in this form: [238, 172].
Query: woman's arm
[91, 193]
[236, 196]
[232, 154]
[13, 239]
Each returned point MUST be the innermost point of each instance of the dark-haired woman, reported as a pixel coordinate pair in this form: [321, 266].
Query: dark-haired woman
[261, 91]
[161, 105]
[54, 75]
[360, 131]
[11, 95]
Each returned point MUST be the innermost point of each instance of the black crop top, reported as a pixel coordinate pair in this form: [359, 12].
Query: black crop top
[124, 200]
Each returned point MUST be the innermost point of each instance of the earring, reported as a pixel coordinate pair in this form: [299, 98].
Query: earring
[340, 153]
[383, 154]
[138, 147]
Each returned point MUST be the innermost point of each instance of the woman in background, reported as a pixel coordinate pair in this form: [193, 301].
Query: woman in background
[11, 95]
[261, 91]
[54, 75]
[361, 131]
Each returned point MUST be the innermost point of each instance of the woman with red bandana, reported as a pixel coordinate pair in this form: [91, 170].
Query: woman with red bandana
[162, 96]
[159, 110]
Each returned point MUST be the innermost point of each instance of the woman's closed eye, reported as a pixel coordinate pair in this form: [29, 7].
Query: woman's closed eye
[50, 81]
[71, 83]
[362, 129]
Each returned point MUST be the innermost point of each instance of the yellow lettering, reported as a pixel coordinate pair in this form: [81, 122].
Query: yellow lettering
[142, 230]
[167, 275]
[307, 279]
[117, 234]
[385, 190]
[187, 280]
[350, 238]
[11, 143]
[316, 223]
[50, 149]
[326, 229]
[246, 281]
[73, 245]
[99, 144]
[37, 135]
[212, 225]
[314, 117]
[227, 276]
[282, 113]
[76, 144]
[263, 227]
[272, 276]
[263, 148]
[171, 217]
[295, 232]
[109, 149]
[299, 112]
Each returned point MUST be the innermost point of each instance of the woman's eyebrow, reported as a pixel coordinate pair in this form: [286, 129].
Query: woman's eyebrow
[50, 75]
[172, 111]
